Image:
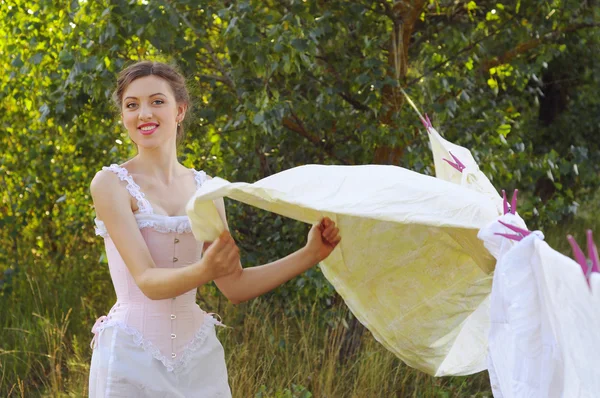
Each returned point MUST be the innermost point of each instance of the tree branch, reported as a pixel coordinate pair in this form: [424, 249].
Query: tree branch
[524, 47]
[219, 66]
[459, 53]
[295, 124]
[355, 103]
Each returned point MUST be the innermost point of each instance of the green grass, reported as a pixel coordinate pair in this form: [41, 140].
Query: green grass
[268, 355]
[45, 333]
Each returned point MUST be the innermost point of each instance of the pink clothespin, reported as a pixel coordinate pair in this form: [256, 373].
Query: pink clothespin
[520, 232]
[457, 164]
[513, 202]
[593, 252]
[426, 122]
[580, 257]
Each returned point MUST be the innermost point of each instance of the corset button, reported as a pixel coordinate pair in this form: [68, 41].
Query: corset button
[173, 335]
[175, 259]
[173, 316]
[176, 240]
[173, 355]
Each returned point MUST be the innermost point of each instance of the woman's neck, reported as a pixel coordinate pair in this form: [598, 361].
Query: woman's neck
[159, 163]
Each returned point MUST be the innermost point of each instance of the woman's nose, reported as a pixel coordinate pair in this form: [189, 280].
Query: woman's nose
[145, 113]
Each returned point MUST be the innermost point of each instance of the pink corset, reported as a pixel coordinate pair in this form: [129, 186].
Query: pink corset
[169, 328]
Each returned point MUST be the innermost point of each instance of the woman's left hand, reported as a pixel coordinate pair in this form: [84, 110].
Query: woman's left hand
[322, 239]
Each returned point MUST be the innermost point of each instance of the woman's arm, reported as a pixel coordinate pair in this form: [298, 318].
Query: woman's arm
[247, 283]
[113, 207]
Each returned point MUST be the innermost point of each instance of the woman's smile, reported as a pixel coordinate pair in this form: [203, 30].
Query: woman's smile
[147, 128]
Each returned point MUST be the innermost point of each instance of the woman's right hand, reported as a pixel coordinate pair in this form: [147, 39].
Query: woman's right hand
[222, 257]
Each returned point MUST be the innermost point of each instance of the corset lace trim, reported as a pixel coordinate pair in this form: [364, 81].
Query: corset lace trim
[144, 206]
[182, 227]
[200, 177]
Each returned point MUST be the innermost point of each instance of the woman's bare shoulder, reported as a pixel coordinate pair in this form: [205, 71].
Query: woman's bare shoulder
[107, 190]
[103, 181]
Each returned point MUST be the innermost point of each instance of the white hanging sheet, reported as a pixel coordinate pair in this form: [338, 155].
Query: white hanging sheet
[573, 310]
[524, 359]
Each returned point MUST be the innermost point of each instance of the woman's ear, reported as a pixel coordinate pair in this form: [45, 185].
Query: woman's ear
[181, 109]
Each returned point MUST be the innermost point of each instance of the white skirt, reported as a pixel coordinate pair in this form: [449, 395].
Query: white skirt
[123, 366]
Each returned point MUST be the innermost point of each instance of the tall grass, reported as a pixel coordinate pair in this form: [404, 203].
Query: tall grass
[45, 332]
[273, 353]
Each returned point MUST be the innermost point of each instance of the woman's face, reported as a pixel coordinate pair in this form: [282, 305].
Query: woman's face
[150, 112]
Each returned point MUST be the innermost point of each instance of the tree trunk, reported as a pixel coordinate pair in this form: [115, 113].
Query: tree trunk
[404, 14]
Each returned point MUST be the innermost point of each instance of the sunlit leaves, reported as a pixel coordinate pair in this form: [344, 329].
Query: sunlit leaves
[282, 83]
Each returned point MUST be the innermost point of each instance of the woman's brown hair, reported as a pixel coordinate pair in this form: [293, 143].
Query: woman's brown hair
[167, 72]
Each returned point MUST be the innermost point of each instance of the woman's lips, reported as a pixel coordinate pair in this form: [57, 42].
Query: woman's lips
[147, 132]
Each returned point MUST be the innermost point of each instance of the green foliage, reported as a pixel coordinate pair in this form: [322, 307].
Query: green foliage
[276, 84]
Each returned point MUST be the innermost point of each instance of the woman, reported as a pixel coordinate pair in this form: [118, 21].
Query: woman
[156, 341]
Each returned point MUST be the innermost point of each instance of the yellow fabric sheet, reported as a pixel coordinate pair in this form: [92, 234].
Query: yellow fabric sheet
[409, 267]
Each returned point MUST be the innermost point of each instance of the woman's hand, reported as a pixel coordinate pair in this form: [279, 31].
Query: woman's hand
[222, 257]
[322, 239]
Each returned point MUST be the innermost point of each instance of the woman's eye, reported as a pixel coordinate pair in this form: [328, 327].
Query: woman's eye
[130, 105]
[159, 102]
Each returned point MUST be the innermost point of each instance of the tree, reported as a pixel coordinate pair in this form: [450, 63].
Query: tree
[280, 83]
